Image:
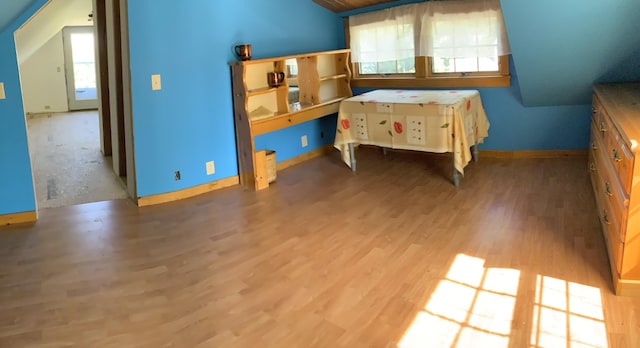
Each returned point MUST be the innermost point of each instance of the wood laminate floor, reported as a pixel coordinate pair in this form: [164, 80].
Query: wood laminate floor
[391, 256]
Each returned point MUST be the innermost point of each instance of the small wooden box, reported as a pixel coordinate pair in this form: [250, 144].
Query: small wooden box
[271, 165]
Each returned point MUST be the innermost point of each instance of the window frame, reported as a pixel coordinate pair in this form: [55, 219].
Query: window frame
[425, 77]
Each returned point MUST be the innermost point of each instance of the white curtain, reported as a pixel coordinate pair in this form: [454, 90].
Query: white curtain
[463, 26]
[384, 35]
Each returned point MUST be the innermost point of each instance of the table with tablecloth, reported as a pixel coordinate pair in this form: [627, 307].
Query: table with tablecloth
[440, 121]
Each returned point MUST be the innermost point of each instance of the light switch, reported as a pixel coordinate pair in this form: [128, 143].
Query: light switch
[155, 82]
[2, 96]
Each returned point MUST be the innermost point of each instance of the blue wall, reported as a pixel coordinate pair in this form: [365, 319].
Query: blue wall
[190, 121]
[561, 48]
[517, 127]
[16, 180]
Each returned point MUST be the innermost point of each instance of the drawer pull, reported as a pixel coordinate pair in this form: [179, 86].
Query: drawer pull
[605, 218]
[615, 155]
[594, 110]
[607, 189]
[592, 167]
[602, 127]
[593, 145]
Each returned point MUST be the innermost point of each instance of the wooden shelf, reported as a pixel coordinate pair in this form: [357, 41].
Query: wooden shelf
[264, 90]
[274, 111]
[333, 77]
[306, 112]
[293, 56]
[304, 106]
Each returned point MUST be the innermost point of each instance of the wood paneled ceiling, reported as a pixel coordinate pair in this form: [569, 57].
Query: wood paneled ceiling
[346, 5]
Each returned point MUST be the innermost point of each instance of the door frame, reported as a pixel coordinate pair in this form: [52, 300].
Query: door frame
[73, 103]
[115, 109]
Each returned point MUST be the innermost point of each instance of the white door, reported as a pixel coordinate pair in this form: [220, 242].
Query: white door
[80, 66]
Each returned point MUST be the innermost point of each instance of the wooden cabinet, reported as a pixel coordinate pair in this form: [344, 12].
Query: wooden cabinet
[615, 177]
[315, 84]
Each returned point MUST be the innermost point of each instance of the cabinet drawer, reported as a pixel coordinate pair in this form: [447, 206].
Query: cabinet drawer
[614, 244]
[617, 204]
[594, 164]
[617, 151]
[610, 191]
[593, 172]
[622, 159]
[598, 118]
[595, 141]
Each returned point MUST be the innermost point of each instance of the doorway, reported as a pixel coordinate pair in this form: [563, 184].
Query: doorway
[68, 167]
[77, 143]
[80, 67]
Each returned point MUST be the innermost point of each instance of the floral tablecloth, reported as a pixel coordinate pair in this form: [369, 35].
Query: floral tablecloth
[425, 120]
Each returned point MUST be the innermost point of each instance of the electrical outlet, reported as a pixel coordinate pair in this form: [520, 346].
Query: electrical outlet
[156, 84]
[2, 95]
[211, 169]
[303, 140]
[176, 175]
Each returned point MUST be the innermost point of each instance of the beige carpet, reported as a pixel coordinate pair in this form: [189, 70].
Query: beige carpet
[68, 165]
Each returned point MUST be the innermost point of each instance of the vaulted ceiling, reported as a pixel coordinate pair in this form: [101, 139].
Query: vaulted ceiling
[346, 5]
[9, 10]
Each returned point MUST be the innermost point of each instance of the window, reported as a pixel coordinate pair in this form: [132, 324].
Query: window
[463, 46]
[383, 41]
[431, 44]
[385, 38]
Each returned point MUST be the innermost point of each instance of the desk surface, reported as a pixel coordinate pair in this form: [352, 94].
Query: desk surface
[420, 120]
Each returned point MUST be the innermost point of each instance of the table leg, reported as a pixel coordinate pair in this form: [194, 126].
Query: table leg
[352, 157]
[475, 153]
[456, 175]
[384, 151]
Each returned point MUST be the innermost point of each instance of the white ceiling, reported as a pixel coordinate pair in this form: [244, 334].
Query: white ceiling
[51, 18]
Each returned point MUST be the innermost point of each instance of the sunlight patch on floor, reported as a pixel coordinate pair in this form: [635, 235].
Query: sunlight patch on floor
[567, 314]
[473, 307]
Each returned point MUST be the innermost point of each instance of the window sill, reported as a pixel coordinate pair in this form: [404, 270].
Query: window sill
[432, 82]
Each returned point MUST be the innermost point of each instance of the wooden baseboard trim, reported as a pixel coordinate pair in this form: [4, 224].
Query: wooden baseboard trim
[18, 218]
[188, 192]
[323, 150]
[625, 287]
[518, 154]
